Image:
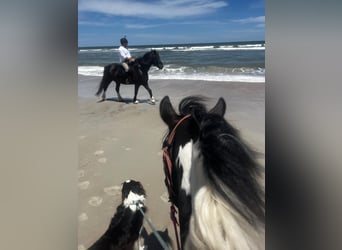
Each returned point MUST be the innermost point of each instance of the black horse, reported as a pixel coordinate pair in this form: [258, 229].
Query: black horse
[137, 75]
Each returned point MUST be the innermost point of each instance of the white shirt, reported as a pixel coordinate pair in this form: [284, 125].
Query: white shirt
[123, 53]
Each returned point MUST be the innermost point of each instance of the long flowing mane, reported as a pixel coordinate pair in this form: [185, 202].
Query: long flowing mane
[228, 207]
[147, 57]
[229, 160]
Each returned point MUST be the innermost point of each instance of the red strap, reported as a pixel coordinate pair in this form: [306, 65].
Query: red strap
[168, 175]
[173, 212]
[173, 132]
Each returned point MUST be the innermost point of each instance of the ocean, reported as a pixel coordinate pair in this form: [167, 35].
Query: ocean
[234, 61]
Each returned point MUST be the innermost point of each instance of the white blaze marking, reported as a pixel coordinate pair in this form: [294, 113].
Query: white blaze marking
[184, 158]
[132, 199]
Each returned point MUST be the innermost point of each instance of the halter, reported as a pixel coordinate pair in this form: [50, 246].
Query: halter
[168, 176]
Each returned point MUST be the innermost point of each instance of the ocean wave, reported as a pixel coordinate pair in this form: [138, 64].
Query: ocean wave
[179, 48]
[188, 73]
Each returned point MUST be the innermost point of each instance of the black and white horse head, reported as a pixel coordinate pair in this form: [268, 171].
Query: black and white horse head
[214, 178]
[124, 228]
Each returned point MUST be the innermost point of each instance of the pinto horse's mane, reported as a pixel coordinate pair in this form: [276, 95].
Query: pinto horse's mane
[229, 160]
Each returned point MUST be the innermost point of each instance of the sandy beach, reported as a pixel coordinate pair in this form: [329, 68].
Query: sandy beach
[122, 140]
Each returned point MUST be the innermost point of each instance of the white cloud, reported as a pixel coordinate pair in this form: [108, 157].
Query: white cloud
[86, 23]
[158, 9]
[140, 26]
[257, 20]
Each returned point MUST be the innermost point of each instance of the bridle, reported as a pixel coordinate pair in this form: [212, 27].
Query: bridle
[168, 175]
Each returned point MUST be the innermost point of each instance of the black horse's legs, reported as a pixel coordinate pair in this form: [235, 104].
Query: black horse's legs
[117, 88]
[136, 88]
[104, 92]
[150, 92]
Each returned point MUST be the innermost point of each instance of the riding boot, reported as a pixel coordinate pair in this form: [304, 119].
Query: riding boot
[128, 76]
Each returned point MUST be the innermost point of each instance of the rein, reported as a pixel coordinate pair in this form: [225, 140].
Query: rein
[168, 176]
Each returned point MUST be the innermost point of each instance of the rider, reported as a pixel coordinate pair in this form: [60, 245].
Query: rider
[125, 55]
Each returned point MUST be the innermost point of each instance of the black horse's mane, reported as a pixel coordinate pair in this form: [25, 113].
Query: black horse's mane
[145, 58]
[229, 162]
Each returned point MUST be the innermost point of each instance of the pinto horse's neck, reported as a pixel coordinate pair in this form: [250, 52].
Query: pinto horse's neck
[209, 209]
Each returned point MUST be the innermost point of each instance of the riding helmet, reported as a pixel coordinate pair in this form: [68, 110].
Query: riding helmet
[123, 40]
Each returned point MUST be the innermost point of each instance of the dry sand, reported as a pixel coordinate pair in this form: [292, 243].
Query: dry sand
[122, 140]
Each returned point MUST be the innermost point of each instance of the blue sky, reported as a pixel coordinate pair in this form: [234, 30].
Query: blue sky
[104, 22]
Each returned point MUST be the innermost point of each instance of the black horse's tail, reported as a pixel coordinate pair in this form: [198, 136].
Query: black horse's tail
[106, 79]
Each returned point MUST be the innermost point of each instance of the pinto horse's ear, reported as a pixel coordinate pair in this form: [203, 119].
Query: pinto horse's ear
[220, 108]
[167, 112]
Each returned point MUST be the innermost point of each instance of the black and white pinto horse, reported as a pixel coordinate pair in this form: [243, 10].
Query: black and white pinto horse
[212, 178]
[138, 75]
[124, 228]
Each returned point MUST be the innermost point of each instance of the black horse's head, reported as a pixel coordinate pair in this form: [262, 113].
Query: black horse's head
[155, 59]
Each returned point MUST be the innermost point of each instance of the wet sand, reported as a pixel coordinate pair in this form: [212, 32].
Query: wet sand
[122, 140]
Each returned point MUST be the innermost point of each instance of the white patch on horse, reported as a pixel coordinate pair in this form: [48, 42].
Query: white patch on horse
[209, 210]
[184, 159]
[133, 199]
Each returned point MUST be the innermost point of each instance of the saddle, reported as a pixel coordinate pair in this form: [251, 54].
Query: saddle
[134, 71]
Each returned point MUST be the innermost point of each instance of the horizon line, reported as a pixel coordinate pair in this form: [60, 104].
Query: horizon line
[97, 46]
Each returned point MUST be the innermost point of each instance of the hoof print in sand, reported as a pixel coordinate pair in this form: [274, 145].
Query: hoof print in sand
[98, 152]
[95, 201]
[83, 217]
[102, 160]
[114, 190]
[84, 185]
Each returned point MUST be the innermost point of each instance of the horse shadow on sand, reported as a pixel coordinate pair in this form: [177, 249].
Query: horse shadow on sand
[127, 100]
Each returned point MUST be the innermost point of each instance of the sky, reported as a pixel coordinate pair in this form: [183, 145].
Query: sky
[104, 22]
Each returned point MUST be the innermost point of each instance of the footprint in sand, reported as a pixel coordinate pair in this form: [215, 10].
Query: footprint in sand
[114, 190]
[82, 137]
[81, 247]
[95, 201]
[84, 185]
[80, 173]
[83, 217]
[102, 160]
[98, 152]
[126, 148]
[165, 197]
